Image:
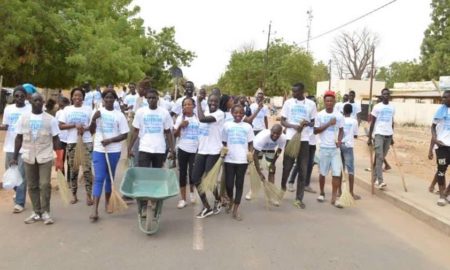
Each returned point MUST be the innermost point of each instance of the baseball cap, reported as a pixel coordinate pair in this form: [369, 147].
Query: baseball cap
[31, 89]
[329, 93]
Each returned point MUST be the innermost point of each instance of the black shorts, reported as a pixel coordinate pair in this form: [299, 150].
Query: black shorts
[443, 155]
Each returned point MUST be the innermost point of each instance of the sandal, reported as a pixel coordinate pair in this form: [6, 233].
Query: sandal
[89, 201]
[356, 197]
[237, 216]
[93, 218]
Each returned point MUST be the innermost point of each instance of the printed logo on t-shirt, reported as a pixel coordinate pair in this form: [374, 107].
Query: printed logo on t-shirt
[35, 126]
[107, 123]
[203, 130]
[298, 113]
[12, 119]
[191, 132]
[237, 135]
[77, 118]
[153, 123]
[385, 115]
[326, 119]
[447, 122]
[270, 145]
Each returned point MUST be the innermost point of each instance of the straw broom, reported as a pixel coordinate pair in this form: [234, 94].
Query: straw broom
[346, 198]
[272, 193]
[116, 203]
[255, 179]
[63, 188]
[293, 146]
[209, 181]
[80, 152]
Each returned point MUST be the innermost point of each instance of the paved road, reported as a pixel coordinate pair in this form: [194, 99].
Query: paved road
[372, 235]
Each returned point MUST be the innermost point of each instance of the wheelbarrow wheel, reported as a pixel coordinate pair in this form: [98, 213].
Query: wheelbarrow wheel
[149, 223]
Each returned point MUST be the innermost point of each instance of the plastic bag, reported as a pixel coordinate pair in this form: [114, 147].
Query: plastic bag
[12, 177]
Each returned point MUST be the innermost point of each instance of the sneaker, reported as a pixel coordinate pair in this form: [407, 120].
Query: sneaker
[299, 204]
[217, 207]
[32, 219]
[275, 203]
[181, 204]
[18, 209]
[310, 190]
[205, 212]
[337, 204]
[441, 202]
[192, 197]
[291, 187]
[248, 196]
[321, 198]
[47, 219]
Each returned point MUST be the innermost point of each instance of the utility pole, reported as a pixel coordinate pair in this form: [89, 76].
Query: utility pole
[329, 74]
[372, 70]
[266, 60]
[310, 17]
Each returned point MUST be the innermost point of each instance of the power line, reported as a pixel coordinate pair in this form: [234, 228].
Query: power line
[350, 22]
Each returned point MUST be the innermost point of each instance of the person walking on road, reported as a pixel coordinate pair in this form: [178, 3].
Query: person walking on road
[329, 125]
[440, 136]
[350, 134]
[37, 137]
[11, 115]
[382, 127]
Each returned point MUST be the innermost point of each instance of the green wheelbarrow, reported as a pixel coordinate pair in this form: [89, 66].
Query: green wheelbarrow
[150, 187]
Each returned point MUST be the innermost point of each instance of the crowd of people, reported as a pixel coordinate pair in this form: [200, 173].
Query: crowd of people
[193, 131]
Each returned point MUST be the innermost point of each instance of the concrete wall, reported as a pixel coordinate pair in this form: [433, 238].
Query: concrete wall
[417, 113]
[344, 86]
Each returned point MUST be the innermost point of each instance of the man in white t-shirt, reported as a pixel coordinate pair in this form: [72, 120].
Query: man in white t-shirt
[329, 125]
[37, 136]
[382, 126]
[260, 121]
[356, 107]
[269, 143]
[188, 92]
[338, 107]
[297, 115]
[11, 115]
[440, 136]
[130, 99]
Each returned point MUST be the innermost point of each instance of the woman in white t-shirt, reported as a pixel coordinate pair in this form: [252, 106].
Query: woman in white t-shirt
[210, 144]
[238, 137]
[186, 127]
[111, 129]
[62, 103]
[75, 119]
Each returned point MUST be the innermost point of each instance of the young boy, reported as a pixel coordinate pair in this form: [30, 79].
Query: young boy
[350, 133]
[326, 124]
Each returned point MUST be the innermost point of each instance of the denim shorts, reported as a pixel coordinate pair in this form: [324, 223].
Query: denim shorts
[349, 163]
[329, 158]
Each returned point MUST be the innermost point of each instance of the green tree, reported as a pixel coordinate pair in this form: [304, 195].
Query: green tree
[285, 64]
[435, 49]
[57, 43]
[407, 71]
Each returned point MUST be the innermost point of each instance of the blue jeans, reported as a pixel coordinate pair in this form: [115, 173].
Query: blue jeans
[21, 191]
[102, 172]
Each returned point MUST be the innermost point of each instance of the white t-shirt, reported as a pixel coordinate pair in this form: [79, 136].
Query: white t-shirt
[312, 139]
[237, 136]
[356, 109]
[130, 100]
[110, 124]
[339, 107]
[328, 136]
[151, 125]
[62, 133]
[443, 128]
[262, 141]
[36, 123]
[77, 115]
[165, 104]
[210, 134]
[11, 115]
[229, 117]
[92, 97]
[385, 116]
[350, 130]
[177, 108]
[295, 111]
[189, 135]
[258, 122]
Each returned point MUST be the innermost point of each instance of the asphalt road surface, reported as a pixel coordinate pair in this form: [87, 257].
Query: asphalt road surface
[372, 235]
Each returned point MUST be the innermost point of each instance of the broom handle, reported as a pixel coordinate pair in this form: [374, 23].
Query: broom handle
[372, 167]
[399, 168]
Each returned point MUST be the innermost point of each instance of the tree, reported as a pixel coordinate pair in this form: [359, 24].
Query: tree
[57, 43]
[286, 64]
[408, 71]
[435, 49]
[352, 53]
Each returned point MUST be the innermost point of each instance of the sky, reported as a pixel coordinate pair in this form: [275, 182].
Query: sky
[214, 29]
